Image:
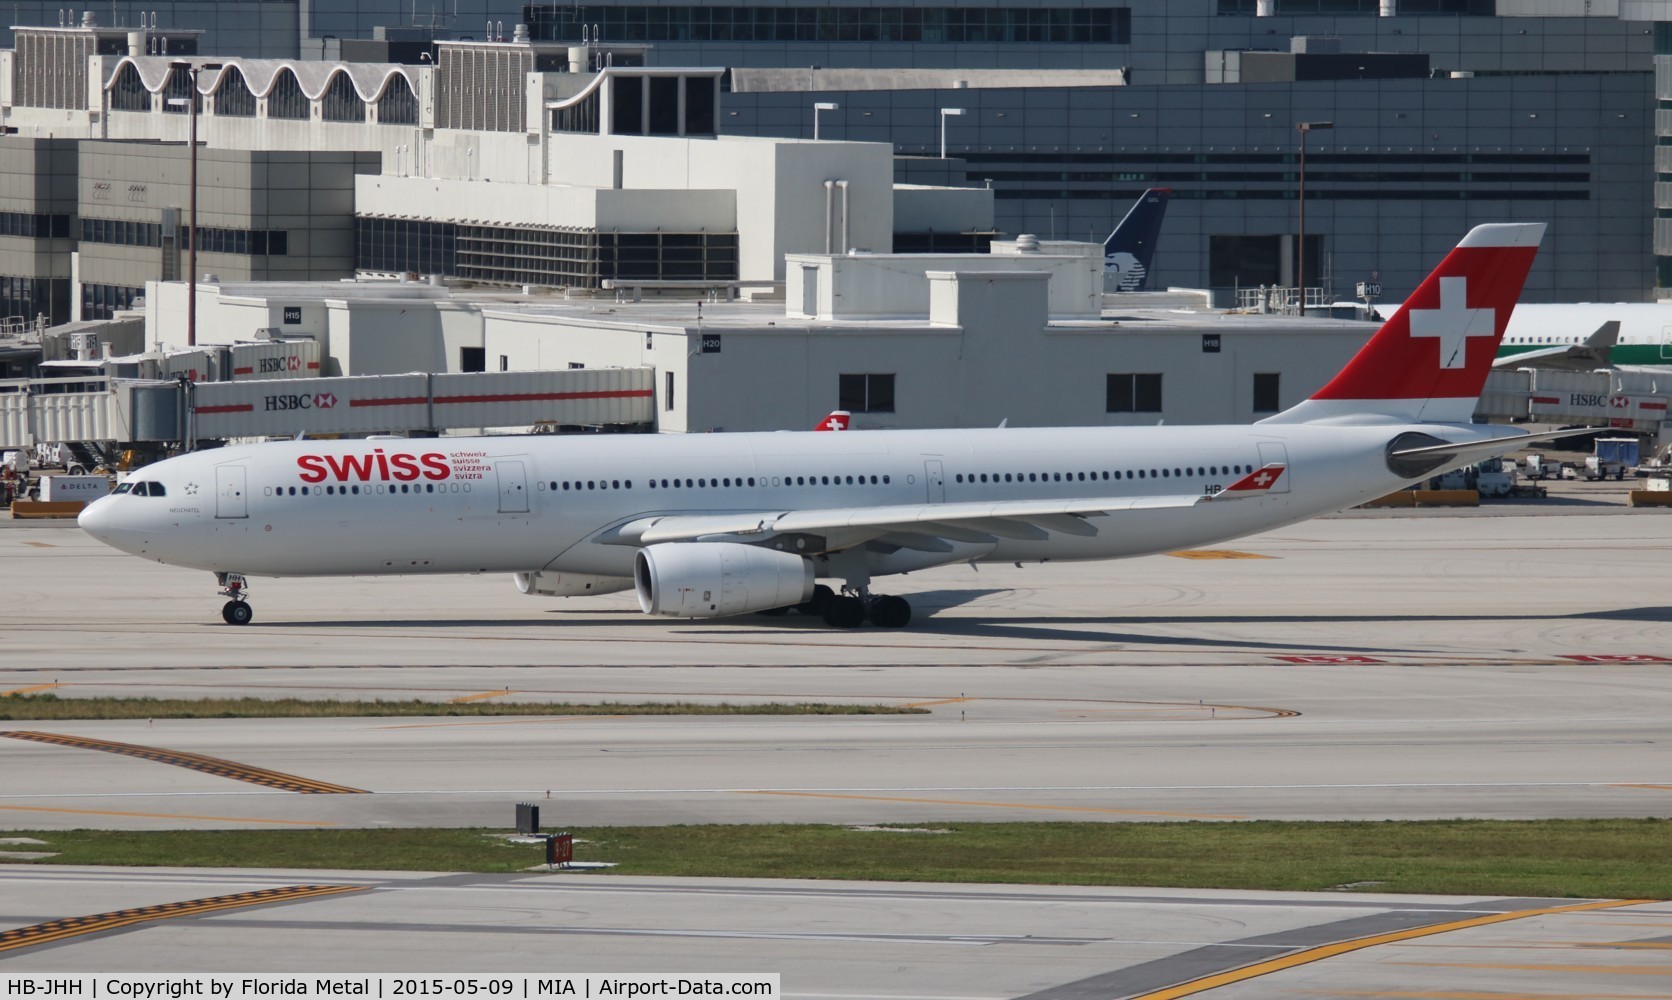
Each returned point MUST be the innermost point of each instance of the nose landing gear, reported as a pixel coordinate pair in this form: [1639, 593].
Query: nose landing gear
[236, 611]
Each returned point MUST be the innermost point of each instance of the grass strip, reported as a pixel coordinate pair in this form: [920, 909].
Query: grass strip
[1547, 858]
[49, 707]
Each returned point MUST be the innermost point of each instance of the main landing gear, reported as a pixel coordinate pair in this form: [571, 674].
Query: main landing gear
[855, 606]
[237, 611]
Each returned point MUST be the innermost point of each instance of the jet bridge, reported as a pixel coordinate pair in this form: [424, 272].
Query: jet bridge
[1622, 399]
[99, 409]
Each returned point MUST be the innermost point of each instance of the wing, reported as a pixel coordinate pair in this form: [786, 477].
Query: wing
[974, 521]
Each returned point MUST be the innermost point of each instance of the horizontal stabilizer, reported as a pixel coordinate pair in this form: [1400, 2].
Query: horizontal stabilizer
[1468, 452]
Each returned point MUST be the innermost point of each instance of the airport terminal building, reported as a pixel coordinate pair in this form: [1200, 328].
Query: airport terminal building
[542, 179]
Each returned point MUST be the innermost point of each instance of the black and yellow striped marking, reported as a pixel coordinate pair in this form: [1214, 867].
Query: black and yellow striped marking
[194, 761]
[69, 927]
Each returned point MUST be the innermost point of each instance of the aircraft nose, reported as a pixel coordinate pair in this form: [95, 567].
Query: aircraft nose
[95, 519]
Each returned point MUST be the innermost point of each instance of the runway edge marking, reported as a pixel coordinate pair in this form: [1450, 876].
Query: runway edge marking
[1333, 949]
[192, 761]
[69, 927]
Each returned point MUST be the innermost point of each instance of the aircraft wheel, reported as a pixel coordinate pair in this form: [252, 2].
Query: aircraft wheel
[815, 605]
[890, 612]
[845, 612]
[237, 613]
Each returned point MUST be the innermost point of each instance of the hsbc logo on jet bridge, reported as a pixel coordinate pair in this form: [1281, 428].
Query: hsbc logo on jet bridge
[267, 366]
[301, 401]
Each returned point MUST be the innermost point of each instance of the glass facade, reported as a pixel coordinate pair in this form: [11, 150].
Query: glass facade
[505, 255]
[1369, 8]
[286, 99]
[397, 106]
[340, 103]
[34, 226]
[29, 297]
[1093, 25]
[932, 242]
[103, 301]
[1418, 176]
[233, 97]
[212, 239]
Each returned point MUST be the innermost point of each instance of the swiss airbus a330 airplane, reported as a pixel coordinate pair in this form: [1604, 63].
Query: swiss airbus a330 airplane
[707, 525]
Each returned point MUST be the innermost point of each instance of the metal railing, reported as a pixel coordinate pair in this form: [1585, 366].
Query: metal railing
[1281, 300]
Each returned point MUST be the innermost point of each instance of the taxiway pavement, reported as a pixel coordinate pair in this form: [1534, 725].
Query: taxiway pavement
[850, 940]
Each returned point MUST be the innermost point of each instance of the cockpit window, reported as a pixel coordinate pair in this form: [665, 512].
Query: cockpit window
[124, 488]
[145, 489]
[157, 490]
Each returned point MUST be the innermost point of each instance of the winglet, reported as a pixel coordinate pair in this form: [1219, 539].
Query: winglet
[1256, 483]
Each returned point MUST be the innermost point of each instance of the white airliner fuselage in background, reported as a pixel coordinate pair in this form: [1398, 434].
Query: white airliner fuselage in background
[711, 525]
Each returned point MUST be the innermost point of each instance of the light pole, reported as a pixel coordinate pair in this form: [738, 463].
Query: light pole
[946, 113]
[822, 106]
[1304, 128]
[191, 247]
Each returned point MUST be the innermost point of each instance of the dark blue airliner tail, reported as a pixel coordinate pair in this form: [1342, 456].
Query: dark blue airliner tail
[1128, 251]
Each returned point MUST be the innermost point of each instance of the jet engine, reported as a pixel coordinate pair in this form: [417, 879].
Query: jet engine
[545, 584]
[714, 579]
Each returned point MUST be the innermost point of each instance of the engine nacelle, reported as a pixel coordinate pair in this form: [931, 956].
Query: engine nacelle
[714, 579]
[570, 584]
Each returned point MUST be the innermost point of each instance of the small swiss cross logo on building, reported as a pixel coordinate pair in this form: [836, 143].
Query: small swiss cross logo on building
[1453, 323]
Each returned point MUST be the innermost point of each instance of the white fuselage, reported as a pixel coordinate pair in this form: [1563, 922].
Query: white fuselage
[527, 504]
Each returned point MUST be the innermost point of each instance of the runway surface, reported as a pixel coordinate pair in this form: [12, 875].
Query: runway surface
[882, 941]
[1358, 667]
[1363, 666]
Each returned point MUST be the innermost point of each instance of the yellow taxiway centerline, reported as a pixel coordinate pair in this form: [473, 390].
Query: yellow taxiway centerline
[28, 690]
[1321, 952]
[485, 695]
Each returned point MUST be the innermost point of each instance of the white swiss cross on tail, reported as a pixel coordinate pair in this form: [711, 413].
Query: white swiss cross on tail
[1429, 361]
[839, 420]
[1453, 323]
